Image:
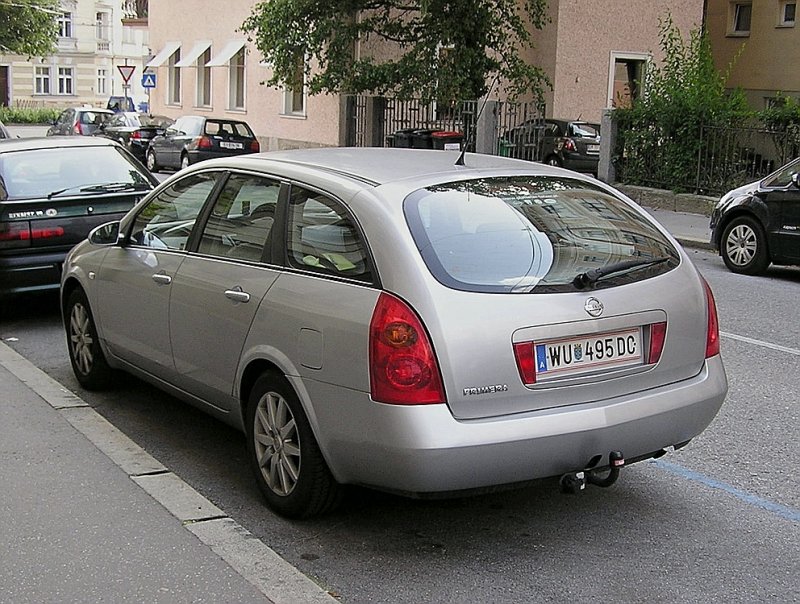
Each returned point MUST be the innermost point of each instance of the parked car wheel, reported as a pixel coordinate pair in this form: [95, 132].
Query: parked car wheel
[152, 164]
[744, 246]
[289, 467]
[184, 161]
[553, 161]
[85, 354]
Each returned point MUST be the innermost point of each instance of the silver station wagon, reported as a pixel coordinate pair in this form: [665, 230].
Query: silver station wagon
[394, 319]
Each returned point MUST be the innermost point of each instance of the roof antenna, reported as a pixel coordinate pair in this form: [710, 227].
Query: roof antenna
[471, 140]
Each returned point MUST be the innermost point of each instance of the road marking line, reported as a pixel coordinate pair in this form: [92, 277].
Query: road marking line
[777, 347]
[780, 510]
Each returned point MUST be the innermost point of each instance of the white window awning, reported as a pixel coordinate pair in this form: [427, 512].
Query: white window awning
[164, 54]
[226, 54]
[190, 60]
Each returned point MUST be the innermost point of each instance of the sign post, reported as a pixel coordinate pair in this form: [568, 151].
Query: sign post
[148, 83]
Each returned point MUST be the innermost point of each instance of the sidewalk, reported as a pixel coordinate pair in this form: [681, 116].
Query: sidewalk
[88, 516]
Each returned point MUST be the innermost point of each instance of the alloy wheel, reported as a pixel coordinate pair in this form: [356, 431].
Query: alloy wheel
[81, 339]
[277, 443]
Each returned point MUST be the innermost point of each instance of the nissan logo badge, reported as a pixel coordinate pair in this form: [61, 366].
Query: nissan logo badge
[594, 307]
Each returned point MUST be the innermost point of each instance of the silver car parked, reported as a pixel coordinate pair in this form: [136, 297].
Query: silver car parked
[385, 317]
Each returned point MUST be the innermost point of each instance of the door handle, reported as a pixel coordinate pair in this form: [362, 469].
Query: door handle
[237, 295]
[162, 279]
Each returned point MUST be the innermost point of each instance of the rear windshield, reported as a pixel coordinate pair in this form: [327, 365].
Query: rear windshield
[585, 130]
[217, 128]
[532, 234]
[39, 172]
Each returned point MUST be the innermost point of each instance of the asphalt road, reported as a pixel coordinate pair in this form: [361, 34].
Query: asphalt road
[718, 520]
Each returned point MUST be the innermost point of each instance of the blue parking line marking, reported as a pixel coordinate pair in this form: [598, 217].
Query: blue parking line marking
[775, 508]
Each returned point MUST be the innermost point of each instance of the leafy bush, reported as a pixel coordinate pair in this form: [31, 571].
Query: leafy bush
[660, 135]
[28, 115]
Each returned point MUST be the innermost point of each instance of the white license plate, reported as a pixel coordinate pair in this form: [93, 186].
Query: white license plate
[593, 148]
[227, 145]
[581, 354]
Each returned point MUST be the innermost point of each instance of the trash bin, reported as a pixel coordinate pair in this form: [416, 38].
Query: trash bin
[422, 139]
[506, 147]
[402, 138]
[447, 140]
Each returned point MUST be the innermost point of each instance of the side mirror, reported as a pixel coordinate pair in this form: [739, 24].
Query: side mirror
[796, 180]
[105, 234]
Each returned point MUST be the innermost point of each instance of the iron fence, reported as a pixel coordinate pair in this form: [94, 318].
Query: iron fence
[707, 160]
[514, 129]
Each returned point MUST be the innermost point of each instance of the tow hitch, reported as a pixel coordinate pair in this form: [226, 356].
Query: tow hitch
[575, 482]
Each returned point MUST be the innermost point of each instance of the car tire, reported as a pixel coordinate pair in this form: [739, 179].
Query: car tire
[152, 164]
[185, 161]
[85, 354]
[744, 246]
[290, 470]
[553, 160]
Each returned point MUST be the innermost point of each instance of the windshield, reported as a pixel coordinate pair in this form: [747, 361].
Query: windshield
[530, 234]
[38, 172]
[783, 177]
[585, 130]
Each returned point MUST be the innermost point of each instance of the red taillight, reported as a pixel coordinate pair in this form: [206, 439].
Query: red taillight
[569, 144]
[712, 336]
[255, 147]
[137, 134]
[658, 333]
[14, 234]
[526, 362]
[47, 232]
[77, 128]
[204, 142]
[402, 365]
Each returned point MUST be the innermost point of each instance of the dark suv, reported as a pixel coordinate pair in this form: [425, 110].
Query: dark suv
[759, 223]
[194, 138]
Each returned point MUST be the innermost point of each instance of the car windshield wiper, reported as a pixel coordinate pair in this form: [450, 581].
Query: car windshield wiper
[107, 187]
[591, 277]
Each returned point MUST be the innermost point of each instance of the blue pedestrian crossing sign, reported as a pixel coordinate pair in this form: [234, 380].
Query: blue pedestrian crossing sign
[149, 80]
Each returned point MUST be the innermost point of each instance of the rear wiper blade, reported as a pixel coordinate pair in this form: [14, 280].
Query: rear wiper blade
[591, 277]
[101, 187]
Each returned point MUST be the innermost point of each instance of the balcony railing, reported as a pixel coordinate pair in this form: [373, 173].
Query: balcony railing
[134, 9]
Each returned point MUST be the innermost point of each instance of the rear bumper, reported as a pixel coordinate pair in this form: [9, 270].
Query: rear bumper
[423, 449]
[32, 272]
[202, 155]
[581, 163]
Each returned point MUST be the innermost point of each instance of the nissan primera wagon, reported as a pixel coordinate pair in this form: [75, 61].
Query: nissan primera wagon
[388, 318]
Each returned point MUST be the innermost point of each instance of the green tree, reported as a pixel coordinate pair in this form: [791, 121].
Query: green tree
[437, 49]
[684, 95]
[29, 26]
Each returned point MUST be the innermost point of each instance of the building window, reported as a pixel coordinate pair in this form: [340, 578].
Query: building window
[294, 96]
[742, 13]
[102, 82]
[204, 79]
[65, 80]
[174, 79]
[102, 26]
[65, 25]
[236, 71]
[42, 80]
[787, 14]
[626, 77]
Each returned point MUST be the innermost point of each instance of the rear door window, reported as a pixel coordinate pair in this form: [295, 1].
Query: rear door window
[531, 234]
[323, 238]
[241, 219]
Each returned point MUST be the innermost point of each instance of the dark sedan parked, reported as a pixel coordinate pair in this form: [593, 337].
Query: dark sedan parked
[135, 130]
[759, 223]
[194, 138]
[53, 191]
